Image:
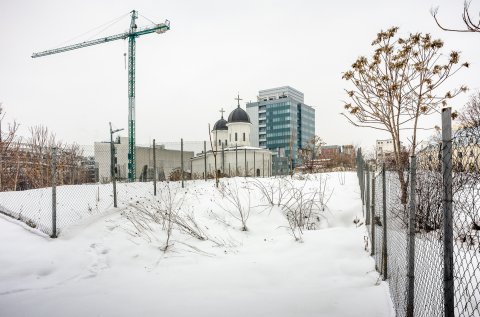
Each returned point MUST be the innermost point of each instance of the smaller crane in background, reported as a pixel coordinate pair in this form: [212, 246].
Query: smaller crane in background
[132, 34]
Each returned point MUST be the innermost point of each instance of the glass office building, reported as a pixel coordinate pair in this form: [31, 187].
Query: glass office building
[281, 122]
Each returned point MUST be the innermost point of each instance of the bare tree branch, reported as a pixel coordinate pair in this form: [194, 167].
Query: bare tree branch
[470, 26]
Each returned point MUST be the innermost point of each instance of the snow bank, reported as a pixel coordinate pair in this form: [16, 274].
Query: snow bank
[105, 266]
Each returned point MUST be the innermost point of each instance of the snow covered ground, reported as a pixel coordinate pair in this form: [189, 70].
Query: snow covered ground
[105, 266]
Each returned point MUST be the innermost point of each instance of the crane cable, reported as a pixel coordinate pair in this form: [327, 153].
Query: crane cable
[107, 24]
[146, 18]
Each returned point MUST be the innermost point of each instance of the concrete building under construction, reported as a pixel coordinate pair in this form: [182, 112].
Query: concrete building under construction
[166, 160]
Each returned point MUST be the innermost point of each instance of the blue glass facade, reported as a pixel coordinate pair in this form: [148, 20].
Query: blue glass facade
[284, 125]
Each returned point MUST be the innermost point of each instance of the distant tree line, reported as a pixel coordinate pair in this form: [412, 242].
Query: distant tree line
[26, 162]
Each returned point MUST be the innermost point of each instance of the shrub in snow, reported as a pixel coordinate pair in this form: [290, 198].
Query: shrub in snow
[301, 208]
[300, 199]
[236, 201]
[163, 213]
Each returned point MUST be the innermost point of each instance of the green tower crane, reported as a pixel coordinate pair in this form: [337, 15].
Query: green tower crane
[132, 34]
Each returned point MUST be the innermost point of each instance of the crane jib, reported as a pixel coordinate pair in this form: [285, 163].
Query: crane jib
[161, 28]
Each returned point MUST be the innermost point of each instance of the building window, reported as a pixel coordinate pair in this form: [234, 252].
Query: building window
[226, 142]
[236, 137]
[230, 137]
[219, 142]
[243, 136]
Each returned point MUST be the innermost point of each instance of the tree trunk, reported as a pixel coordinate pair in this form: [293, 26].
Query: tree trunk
[403, 186]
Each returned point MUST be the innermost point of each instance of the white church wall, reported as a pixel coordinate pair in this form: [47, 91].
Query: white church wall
[233, 164]
[240, 128]
[222, 136]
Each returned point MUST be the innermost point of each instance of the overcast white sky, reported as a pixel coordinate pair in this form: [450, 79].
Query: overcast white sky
[214, 49]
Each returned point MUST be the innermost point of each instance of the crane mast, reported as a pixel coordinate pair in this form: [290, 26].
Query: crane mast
[132, 34]
[131, 99]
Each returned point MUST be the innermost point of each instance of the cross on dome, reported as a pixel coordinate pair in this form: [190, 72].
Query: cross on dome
[238, 100]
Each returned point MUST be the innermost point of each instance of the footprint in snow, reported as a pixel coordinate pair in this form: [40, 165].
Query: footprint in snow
[99, 260]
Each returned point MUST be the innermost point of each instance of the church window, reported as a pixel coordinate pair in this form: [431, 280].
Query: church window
[243, 136]
[236, 137]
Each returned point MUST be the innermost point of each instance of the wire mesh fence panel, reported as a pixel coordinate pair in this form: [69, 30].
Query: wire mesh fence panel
[377, 221]
[397, 240]
[466, 221]
[77, 202]
[429, 258]
[33, 207]
[26, 177]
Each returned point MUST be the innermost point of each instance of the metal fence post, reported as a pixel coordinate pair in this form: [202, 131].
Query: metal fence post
[411, 239]
[223, 159]
[246, 169]
[205, 158]
[367, 200]
[448, 286]
[112, 166]
[263, 165]
[114, 180]
[154, 169]
[384, 214]
[254, 170]
[372, 223]
[364, 183]
[181, 159]
[361, 178]
[54, 192]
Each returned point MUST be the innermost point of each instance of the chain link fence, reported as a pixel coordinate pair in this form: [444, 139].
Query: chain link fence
[466, 221]
[50, 187]
[425, 226]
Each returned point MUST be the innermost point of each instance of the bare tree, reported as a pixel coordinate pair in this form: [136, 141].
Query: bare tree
[397, 86]
[2, 115]
[469, 117]
[9, 147]
[293, 138]
[310, 152]
[470, 25]
[214, 151]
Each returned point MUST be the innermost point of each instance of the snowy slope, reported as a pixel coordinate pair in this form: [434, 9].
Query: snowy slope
[101, 267]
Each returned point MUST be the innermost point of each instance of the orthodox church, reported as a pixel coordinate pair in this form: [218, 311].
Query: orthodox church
[231, 153]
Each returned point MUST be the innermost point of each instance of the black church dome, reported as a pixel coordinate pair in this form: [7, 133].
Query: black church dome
[220, 125]
[238, 115]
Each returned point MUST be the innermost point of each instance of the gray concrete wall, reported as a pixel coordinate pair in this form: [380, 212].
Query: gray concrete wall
[167, 160]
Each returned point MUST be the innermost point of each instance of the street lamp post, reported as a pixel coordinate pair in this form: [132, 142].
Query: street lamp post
[112, 165]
